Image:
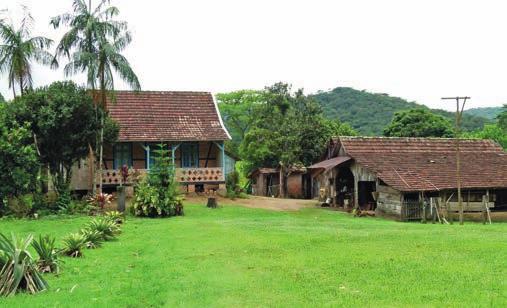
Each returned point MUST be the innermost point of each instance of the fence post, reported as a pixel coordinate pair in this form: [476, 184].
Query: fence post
[423, 214]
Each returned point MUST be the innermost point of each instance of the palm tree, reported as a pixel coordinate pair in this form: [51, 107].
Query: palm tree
[19, 49]
[94, 44]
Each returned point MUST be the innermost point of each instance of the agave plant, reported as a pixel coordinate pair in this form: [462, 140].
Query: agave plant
[92, 238]
[73, 244]
[48, 261]
[107, 228]
[115, 217]
[18, 269]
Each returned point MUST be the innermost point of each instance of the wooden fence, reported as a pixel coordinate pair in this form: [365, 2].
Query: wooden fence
[411, 210]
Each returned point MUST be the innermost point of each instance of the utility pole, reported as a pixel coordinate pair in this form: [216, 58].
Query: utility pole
[460, 106]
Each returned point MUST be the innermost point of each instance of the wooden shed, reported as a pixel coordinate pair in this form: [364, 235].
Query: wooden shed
[266, 182]
[394, 176]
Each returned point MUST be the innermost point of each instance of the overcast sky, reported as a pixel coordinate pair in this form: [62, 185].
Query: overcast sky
[418, 50]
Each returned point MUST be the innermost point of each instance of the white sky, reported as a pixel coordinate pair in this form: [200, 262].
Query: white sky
[418, 50]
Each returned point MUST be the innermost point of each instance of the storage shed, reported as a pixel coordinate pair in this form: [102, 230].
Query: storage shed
[394, 176]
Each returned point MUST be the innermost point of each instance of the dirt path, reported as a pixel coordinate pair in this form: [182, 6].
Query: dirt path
[258, 202]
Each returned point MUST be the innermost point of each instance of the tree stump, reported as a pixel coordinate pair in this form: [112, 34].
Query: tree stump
[212, 203]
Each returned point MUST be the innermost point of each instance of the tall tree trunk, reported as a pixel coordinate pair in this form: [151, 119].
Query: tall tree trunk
[21, 88]
[101, 151]
[13, 89]
[103, 105]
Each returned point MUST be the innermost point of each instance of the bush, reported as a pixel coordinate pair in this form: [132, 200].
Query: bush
[232, 184]
[105, 227]
[100, 200]
[115, 216]
[48, 261]
[20, 206]
[73, 244]
[158, 194]
[18, 269]
[92, 238]
[44, 204]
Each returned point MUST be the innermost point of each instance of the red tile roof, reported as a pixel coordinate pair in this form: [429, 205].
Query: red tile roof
[429, 164]
[167, 116]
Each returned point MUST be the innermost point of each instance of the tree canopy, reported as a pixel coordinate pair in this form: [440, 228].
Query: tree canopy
[370, 113]
[276, 126]
[18, 160]
[18, 49]
[492, 132]
[418, 123]
[62, 120]
[502, 119]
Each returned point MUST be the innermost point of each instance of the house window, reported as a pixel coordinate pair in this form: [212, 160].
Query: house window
[122, 155]
[190, 155]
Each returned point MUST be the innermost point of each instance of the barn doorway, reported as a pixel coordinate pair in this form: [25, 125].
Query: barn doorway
[344, 184]
[365, 196]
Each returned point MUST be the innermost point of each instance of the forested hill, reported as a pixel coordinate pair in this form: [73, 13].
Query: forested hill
[369, 113]
[486, 112]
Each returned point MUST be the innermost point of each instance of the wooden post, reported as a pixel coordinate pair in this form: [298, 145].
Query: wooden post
[421, 202]
[356, 190]
[433, 211]
[484, 206]
[457, 131]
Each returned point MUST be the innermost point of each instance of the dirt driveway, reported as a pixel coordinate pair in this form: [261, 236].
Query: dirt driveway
[268, 203]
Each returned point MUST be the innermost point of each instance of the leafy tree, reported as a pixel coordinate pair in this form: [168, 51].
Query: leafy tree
[19, 49]
[18, 159]
[492, 132]
[287, 130]
[238, 113]
[418, 123]
[2, 99]
[94, 44]
[370, 113]
[502, 119]
[62, 120]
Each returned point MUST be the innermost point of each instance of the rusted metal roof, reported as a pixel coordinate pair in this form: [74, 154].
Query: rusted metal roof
[429, 164]
[167, 116]
[330, 163]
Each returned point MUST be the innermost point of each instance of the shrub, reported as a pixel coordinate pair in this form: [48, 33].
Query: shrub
[105, 227]
[158, 194]
[63, 202]
[100, 200]
[92, 238]
[18, 269]
[44, 204]
[115, 216]
[232, 184]
[76, 207]
[73, 244]
[48, 261]
[20, 206]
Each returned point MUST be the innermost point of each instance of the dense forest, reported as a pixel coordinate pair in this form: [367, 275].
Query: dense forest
[485, 112]
[370, 113]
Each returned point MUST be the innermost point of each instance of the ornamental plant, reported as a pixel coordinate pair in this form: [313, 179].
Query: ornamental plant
[158, 194]
[48, 261]
[18, 269]
[73, 244]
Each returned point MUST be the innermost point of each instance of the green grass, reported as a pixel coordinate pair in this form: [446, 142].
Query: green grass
[236, 256]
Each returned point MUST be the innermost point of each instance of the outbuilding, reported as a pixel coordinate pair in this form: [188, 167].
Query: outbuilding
[401, 177]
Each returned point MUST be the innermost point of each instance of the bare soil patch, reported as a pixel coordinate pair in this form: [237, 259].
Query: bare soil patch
[268, 203]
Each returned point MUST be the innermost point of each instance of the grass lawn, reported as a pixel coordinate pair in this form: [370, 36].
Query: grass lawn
[236, 256]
